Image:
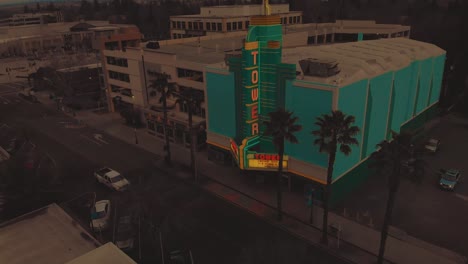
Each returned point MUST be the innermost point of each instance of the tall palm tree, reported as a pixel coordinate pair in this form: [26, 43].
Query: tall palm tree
[334, 130]
[395, 159]
[192, 99]
[166, 90]
[281, 126]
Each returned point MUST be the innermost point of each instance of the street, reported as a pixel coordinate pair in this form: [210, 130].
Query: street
[185, 216]
[423, 210]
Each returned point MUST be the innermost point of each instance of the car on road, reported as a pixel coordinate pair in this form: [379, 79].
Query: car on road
[112, 179]
[449, 179]
[432, 145]
[125, 233]
[100, 215]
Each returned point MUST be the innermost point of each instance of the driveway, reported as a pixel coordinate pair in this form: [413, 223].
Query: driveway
[423, 210]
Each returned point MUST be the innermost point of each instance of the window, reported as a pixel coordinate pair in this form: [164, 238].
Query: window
[228, 26]
[195, 25]
[234, 25]
[174, 36]
[208, 26]
[189, 25]
[213, 26]
[119, 76]
[239, 25]
[117, 61]
[111, 45]
[178, 24]
[220, 26]
[247, 23]
[173, 24]
[200, 25]
[298, 19]
[115, 88]
[290, 20]
[127, 92]
[190, 74]
[183, 24]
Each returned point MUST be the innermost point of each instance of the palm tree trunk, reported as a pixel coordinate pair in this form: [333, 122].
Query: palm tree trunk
[166, 136]
[387, 221]
[192, 143]
[279, 178]
[326, 197]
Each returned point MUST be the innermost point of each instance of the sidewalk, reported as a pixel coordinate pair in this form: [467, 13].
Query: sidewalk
[358, 243]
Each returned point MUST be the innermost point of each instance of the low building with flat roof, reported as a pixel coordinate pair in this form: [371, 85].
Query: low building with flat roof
[44, 236]
[105, 254]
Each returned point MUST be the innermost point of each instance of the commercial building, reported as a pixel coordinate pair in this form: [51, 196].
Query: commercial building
[47, 235]
[187, 59]
[387, 84]
[32, 19]
[222, 19]
[57, 37]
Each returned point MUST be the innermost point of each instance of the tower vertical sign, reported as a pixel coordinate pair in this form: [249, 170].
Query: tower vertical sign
[251, 81]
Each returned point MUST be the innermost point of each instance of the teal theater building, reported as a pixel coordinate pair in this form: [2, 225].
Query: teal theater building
[387, 84]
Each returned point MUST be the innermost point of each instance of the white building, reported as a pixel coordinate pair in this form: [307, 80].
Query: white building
[222, 19]
[32, 19]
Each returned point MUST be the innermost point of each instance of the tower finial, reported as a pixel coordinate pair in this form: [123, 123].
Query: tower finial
[266, 7]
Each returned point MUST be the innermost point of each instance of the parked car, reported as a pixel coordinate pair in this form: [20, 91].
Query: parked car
[432, 145]
[125, 233]
[100, 215]
[111, 179]
[181, 257]
[449, 179]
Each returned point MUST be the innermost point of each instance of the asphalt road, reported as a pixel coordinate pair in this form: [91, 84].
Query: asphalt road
[424, 210]
[185, 216]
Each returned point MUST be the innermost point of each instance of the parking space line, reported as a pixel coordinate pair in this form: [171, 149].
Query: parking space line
[461, 196]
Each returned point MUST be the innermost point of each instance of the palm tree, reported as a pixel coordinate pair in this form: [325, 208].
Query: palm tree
[335, 129]
[281, 126]
[395, 159]
[166, 90]
[192, 99]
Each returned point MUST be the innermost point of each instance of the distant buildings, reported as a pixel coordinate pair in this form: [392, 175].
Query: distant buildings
[32, 19]
[222, 19]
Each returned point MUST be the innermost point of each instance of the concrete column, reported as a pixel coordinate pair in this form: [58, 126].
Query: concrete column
[408, 34]
[316, 37]
[389, 35]
[324, 36]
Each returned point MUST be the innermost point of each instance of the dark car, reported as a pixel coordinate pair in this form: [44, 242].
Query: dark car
[125, 236]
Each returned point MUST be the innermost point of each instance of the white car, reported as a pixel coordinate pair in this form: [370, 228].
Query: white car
[432, 145]
[100, 215]
[112, 179]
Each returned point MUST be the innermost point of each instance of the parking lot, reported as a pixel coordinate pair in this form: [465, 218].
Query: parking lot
[423, 210]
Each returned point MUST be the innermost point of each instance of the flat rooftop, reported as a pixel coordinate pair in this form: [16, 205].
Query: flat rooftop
[363, 59]
[45, 236]
[105, 254]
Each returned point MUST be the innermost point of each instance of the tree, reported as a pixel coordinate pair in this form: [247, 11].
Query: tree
[192, 99]
[281, 126]
[335, 129]
[395, 159]
[166, 90]
[96, 5]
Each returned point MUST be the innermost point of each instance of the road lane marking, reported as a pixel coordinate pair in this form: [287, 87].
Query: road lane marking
[98, 137]
[92, 140]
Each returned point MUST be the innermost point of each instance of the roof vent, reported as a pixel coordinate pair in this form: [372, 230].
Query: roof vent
[319, 67]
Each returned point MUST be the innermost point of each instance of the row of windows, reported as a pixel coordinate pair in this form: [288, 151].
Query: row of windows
[231, 26]
[119, 76]
[190, 74]
[117, 61]
[291, 20]
[122, 91]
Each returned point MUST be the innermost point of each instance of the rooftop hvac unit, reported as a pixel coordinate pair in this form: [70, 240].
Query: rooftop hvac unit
[319, 67]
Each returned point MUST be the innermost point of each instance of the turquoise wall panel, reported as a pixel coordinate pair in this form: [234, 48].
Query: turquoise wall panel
[352, 101]
[221, 104]
[377, 112]
[437, 74]
[412, 89]
[402, 87]
[425, 75]
[307, 104]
